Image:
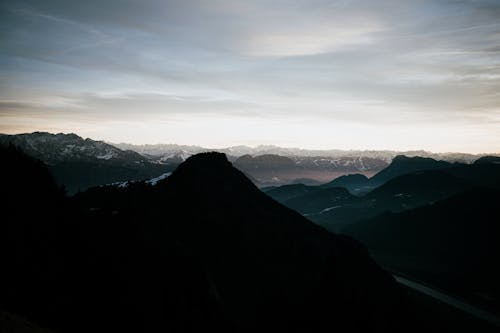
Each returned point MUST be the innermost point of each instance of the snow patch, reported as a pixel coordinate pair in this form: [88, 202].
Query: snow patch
[106, 156]
[118, 184]
[154, 181]
[329, 209]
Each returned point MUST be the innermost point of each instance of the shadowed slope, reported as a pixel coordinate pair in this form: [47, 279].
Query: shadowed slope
[204, 249]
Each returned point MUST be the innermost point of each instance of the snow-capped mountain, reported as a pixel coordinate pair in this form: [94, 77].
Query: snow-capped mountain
[171, 150]
[272, 165]
[270, 170]
[341, 163]
[160, 150]
[79, 163]
[57, 148]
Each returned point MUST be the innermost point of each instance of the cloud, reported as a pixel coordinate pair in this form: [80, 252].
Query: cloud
[354, 62]
[307, 41]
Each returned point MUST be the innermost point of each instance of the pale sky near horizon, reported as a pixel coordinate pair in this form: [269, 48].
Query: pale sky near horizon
[317, 74]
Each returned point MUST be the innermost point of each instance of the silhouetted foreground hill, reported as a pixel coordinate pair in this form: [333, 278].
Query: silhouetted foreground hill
[203, 250]
[71, 272]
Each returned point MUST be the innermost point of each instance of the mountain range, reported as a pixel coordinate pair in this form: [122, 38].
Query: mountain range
[431, 220]
[275, 166]
[237, 151]
[79, 163]
[192, 243]
[408, 182]
[203, 249]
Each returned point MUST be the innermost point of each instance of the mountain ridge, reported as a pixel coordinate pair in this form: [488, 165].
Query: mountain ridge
[387, 155]
[405, 184]
[79, 163]
[204, 248]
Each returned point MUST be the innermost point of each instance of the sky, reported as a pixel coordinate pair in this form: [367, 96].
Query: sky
[316, 74]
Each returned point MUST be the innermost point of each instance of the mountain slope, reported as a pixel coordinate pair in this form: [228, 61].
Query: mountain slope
[320, 201]
[416, 189]
[56, 148]
[480, 174]
[204, 249]
[266, 261]
[454, 243]
[68, 271]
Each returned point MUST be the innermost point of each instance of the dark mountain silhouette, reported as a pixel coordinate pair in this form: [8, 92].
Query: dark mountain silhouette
[480, 174]
[401, 165]
[204, 249]
[417, 189]
[79, 163]
[453, 244]
[78, 271]
[433, 181]
[356, 183]
[285, 192]
[488, 160]
[359, 184]
[401, 193]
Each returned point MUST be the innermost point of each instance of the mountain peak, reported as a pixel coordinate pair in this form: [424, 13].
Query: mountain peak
[208, 165]
[208, 159]
[402, 164]
[400, 158]
[209, 172]
[404, 158]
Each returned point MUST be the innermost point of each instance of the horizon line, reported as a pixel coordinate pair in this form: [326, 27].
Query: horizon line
[262, 145]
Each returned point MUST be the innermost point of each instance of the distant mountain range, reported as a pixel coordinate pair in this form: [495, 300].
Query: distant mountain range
[79, 163]
[274, 166]
[237, 151]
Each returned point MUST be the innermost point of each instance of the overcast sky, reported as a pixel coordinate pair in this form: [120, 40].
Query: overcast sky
[307, 73]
